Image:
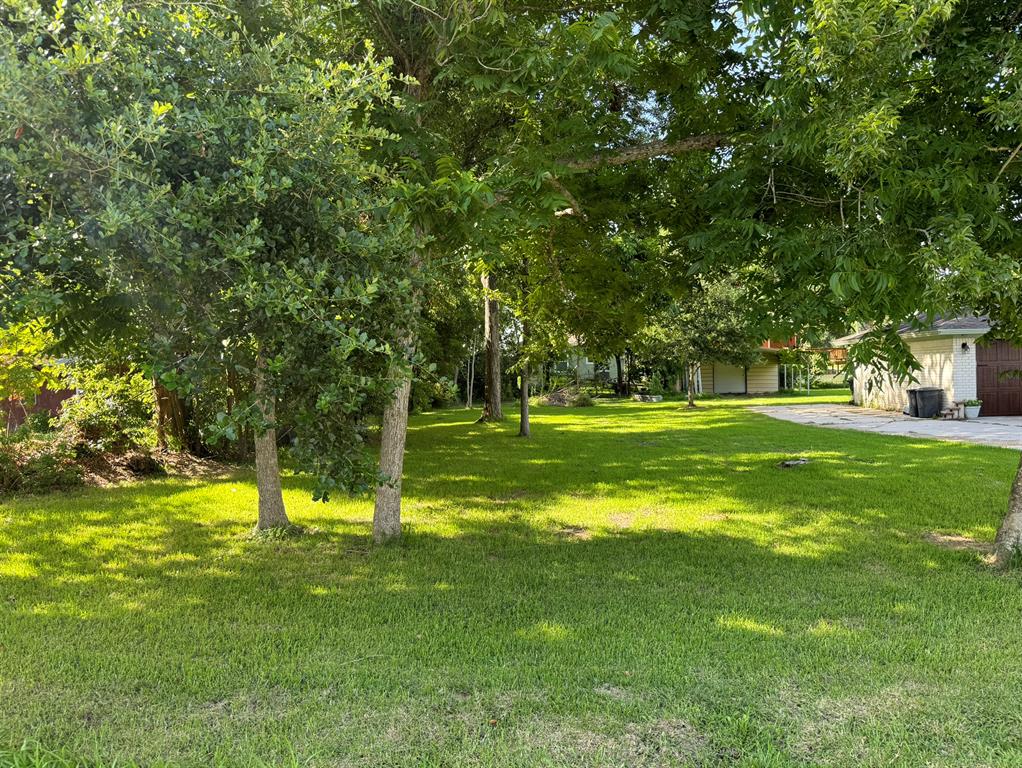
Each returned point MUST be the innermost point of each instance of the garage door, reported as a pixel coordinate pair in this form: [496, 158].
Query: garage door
[728, 380]
[999, 384]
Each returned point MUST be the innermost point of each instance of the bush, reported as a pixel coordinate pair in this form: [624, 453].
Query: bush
[582, 400]
[429, 393]
[36, 464]
[110, 413]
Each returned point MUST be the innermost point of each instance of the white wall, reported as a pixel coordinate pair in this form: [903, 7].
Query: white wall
[944, 365]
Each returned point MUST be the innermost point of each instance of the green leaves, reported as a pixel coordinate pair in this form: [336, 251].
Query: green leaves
[223, 190]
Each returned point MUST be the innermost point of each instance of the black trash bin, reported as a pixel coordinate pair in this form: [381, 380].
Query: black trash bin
[913, 402]
[928, 401]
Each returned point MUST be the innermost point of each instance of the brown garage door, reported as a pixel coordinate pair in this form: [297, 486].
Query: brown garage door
[998, 380]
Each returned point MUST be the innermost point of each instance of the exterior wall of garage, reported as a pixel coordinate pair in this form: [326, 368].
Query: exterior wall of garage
[944, 364]
[763, 377]
[760, 378]
[706, 371]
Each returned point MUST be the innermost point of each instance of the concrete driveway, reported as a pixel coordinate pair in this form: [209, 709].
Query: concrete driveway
[1002, 431]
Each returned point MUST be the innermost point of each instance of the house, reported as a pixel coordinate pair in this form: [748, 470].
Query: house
[956, 357]
[14, 412]
[714, 378]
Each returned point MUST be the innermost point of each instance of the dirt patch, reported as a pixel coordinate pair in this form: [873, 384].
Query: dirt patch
[619, 520]
[959, 543]
[613, 692]
[575, 533]
[186, 465]
[832, 720]
[657, 743]
[118, 469]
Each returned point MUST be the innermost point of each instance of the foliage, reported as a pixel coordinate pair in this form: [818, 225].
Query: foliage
[582, 400]
[715, 323]
[206, 193]
[655, 384]
[26, 366]
[33, 463]
[111, 411]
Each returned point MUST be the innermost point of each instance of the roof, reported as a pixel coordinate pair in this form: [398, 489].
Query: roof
[939, 325]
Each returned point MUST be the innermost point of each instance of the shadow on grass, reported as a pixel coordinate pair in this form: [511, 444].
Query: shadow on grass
[140, 622]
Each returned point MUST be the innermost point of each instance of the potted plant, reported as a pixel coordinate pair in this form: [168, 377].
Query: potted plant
[972, 408]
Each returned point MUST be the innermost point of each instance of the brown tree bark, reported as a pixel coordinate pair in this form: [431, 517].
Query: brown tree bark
[1008, 545]
[620, 376]
[492, 408]
[161, 421]
[523, 408]
[387, 511]
[394, 430]
[692, 368]
[658, 148]
[171, 418]
[271, 498]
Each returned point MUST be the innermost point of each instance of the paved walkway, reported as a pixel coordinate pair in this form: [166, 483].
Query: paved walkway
[1002, 431]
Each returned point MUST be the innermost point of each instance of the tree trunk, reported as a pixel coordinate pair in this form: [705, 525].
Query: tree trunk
[677, 384]
[161, 421]
[523, 422]
[171, 418]
[470, 384]
[1008, 545]
[394, 430]
[492, 410]
[691, 385]
[387, 512]
[620, 376]
[523, 419]
[271, 498]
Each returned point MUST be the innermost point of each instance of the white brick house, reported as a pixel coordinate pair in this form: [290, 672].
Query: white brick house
[955, 358]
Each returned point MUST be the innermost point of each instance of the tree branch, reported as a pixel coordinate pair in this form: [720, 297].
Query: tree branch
[646, 151]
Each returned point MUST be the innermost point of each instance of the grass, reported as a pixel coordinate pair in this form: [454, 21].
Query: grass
[637, 585]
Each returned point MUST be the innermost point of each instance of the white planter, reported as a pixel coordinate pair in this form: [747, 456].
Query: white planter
[972, 411]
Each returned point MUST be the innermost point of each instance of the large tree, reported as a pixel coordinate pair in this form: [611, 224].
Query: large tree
[211, 187]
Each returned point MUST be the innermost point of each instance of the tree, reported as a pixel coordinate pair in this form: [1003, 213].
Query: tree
[715, 322]
[888, 184]
[213, 185]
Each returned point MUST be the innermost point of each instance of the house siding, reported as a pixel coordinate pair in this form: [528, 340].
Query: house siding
[944, 365]
[762, 378]
[707, 374]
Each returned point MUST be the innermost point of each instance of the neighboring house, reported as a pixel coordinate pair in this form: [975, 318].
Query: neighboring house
[955, 358]
[714, 378]
[14, 412]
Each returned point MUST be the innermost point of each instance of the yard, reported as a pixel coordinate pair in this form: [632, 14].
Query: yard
[637, 585]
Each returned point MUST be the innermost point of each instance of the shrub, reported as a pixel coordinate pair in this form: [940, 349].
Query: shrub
[36, 464]
[582, 400]
[429, 393]
[110, 412]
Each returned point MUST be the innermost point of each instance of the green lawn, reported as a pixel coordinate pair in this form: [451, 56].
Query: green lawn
[638, 585]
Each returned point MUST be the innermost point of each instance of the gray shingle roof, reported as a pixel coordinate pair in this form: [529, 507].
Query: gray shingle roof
[938, 325]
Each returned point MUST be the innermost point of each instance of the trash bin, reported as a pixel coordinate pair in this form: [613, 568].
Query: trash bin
[913, 402]
[928, 401]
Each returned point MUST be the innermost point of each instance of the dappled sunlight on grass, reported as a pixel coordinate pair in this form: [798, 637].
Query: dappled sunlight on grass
[634, 569]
